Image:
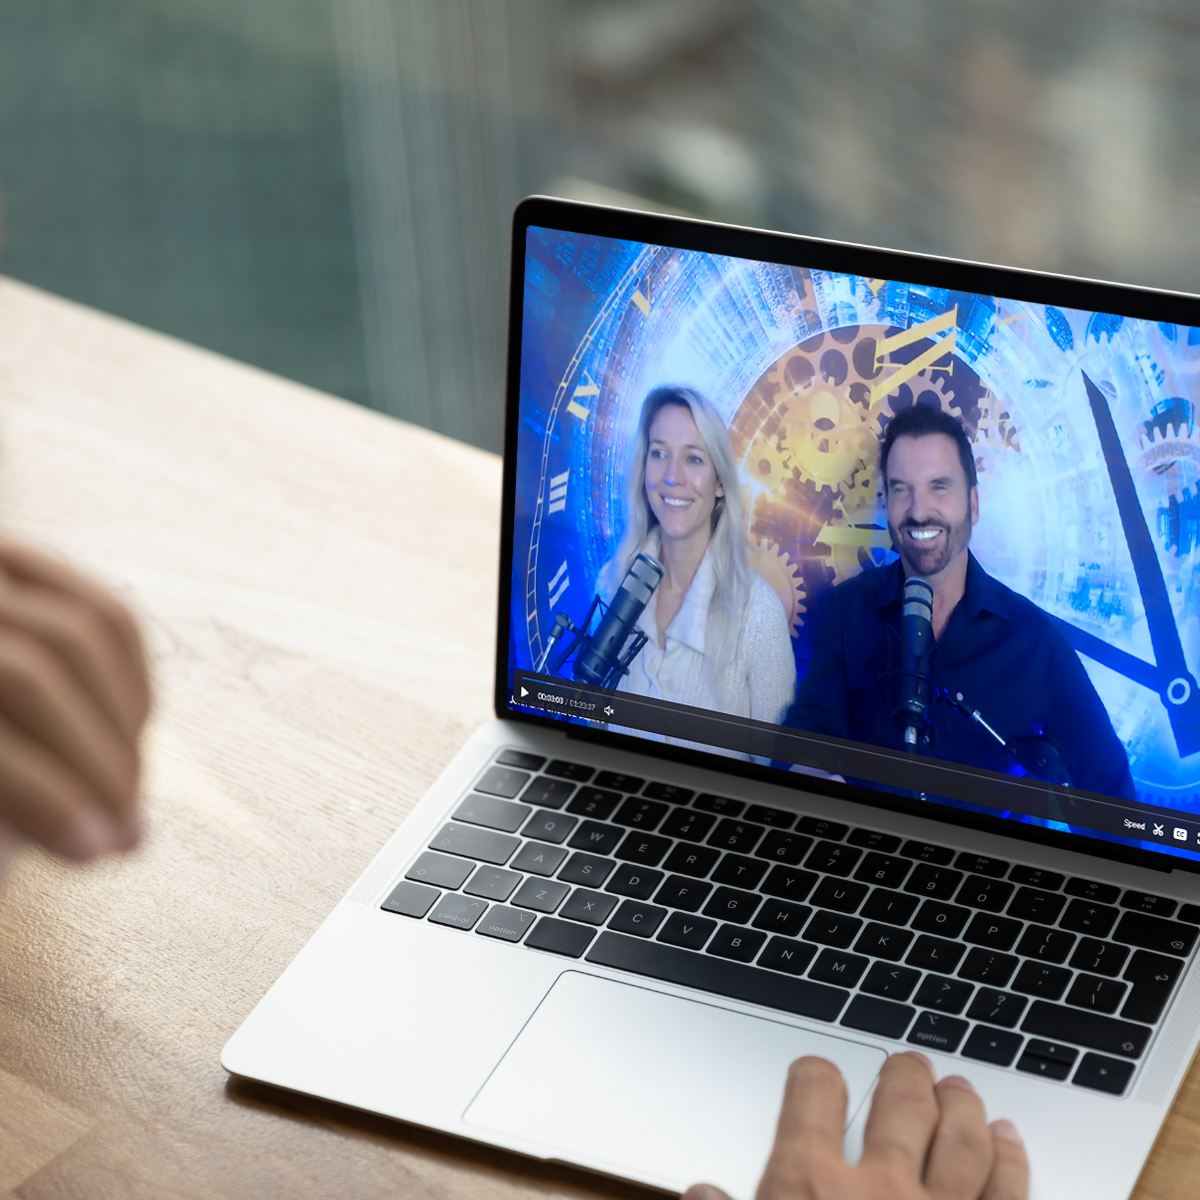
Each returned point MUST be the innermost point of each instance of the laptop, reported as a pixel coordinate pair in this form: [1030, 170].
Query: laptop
[793, 754]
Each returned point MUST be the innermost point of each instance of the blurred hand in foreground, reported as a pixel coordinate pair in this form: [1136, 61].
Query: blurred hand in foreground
[74, 695]
[923, 1141]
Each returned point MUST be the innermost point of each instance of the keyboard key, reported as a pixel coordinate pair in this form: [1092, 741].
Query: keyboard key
[638, 883]
[789, 883]
[992, 1046]
[410, 899]
[1103, 1074]
[945, 919]
[946, 995]
[838, 966]
[469, 841]
[696, 861]
[938, 883]
[576, 772]
[736, 835]
[642, 814]
[688, 824]
[839, 894]
[778, 916]
[548, 793]
[586, 869]
[1036, 877]
[596, 837]
[542, 895]
[1153, 976]
[780, 846]
[708, 973]
[721, 805]
[1046, 945]
[520, 759]
[739, 871]
[989, 966]
[639, 919]
[668, 792]
[549, 826]
[536, 859]
[880, 1017]
[870, 839]
[935, 954]
[1048, 1059]
[997, 1008]
[1106, 1034]
[594, 802]
[1029, 904]
[1151, 933]
[502, 781]
[588, 906]
[1039, 979]
[833, 929]
[770, 816]
[980, 864]
[1082, 916]
[981, 892]
[884, 941]
[890, 980]
[559, 937]
[924, 852]
[492, 883]
[883, 870]
[938, 1031]
[504, 923]
[895, 908]
[1097, 994]
[831, 831]
[615, 781]
[459, 911]
[439, 871]
[732, 904]
[786, 954]
[997, 933]
[1089, 889]
[1101, 958]
[682, 929]
[732, 941]
[1158, 906]
[681, 892]
[646, 849]
[1189, 913]
[833, 859]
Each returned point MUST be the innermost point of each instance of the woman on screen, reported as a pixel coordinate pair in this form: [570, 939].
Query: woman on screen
[717, 634]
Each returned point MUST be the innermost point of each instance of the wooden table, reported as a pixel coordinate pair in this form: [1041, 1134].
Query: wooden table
[318, 588]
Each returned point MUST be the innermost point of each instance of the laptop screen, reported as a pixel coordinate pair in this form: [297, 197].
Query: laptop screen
[865, 524]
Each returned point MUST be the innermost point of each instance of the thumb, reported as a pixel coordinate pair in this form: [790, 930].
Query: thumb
[704, 1191]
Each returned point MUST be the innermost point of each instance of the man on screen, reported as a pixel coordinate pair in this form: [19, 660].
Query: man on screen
[995, 651]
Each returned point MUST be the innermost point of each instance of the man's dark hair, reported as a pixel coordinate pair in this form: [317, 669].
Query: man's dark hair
[920, 420]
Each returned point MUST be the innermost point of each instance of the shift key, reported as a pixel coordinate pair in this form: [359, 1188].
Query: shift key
[482, 844]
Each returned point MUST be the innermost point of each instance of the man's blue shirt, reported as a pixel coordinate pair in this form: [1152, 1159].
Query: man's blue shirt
[999, 650]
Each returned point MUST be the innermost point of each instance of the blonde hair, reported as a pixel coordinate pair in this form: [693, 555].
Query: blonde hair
[729, 544]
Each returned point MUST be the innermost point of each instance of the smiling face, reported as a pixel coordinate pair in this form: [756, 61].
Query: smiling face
[681, 482]
[930, 507]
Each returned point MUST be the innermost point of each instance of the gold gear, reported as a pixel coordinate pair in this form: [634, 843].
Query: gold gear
[767, 464]
[825, 434]
[773, 564]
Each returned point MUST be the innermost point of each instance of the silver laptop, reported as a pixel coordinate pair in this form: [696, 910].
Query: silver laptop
[846, 703]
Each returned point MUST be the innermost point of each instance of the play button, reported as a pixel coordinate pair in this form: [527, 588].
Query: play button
[524, 692]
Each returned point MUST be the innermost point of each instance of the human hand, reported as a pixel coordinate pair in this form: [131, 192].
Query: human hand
[922, 1142]
[74, 695]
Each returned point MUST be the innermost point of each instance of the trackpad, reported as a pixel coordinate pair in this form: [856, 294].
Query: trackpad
[672, 1091]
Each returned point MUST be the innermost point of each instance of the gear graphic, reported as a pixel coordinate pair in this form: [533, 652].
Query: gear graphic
[825, 435]
[771, 561]
[767, 464]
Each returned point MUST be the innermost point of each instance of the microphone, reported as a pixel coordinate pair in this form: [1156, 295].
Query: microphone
[600, 656]
[916, 635]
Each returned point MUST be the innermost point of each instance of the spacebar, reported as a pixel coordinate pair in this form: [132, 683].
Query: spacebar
[724, 978]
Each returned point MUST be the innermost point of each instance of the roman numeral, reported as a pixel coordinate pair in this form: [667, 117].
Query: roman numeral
[558, 492]
[582, 391]
[925, 360]
[558, 584]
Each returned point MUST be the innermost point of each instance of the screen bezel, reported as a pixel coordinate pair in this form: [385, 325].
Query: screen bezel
[843, 258]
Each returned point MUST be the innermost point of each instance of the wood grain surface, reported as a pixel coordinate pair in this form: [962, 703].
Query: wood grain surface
[317, 583]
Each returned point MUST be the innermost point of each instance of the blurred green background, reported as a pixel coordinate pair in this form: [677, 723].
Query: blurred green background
[323, 187]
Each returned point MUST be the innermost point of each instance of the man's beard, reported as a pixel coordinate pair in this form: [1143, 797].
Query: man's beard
[924, 563]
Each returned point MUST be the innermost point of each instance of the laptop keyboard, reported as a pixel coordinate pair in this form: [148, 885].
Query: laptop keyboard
[952, 951]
